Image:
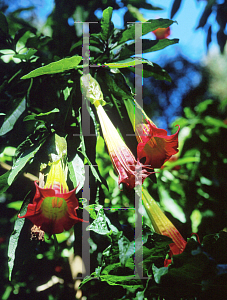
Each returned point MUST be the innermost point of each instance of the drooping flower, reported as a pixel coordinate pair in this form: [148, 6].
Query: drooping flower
[162, 225]
[162, 33]
[130, 171]
[54, 207]
[153, 143]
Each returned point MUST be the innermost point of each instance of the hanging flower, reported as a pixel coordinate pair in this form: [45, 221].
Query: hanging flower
[154, 143]
[130, 171]
[162, 33]
[54, 207]
[162, 225]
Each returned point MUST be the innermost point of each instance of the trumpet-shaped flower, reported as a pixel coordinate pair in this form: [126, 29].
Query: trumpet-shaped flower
[153, 143]
[130, 171]
[162, 225]
[54, 207]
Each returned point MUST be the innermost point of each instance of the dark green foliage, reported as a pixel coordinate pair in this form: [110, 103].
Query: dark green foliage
[42, 103]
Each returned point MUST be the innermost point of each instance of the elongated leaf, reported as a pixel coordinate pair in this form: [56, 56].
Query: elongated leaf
[55, 67]
[181, 161]
[15, 205]
[11, 119]
[77, 172]
[129, 62]
[147, 46]
[175, 7]
[106, 24]
[150, 25]
[22, 161]
[40, 116]
[154, 70]
[205, 16]
[14, 238]
[4, 182]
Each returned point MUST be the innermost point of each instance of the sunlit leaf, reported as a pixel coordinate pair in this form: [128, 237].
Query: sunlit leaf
[91, 209]
[150, 25]
[99, 225]
[168, 204]
[77, 172]
[15, 205]
[40, 116]
[215, 122]
[129, 62]
[27, 55]
[106, 24]
[11, 119]
[181, 161]
[147, 46]
[62, 65]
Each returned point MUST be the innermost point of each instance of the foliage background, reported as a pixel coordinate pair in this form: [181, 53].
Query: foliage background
[191, 190]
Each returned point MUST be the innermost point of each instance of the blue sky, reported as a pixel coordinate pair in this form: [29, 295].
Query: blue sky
[192, 42]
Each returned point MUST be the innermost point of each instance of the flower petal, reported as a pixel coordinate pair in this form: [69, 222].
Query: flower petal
[157, 147]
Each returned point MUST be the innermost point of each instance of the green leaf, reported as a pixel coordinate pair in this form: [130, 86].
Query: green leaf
[150, 25]
[22, 161]
[154, 70]
[159, 272]
[60, 66]
[180, 161]
[129, 62]
[77, 172]
[41, 116]
[203, 106]
[214, 122]
[99, 225]
[11, 119]
[15, 205]
[147, 46]
[4, 182]
[3, 24]
[9, 151]
[60, 145]
[91, 209]
[106, 24]
[14, 238]
[117, 85]
[149, 68]
[27, 55]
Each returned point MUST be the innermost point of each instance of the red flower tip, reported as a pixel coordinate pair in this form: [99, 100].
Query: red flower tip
[162, 33]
